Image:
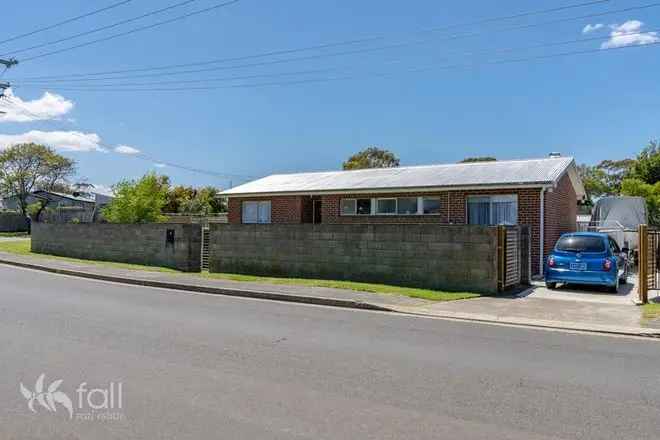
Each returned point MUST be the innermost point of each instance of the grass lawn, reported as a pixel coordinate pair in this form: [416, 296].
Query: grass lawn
[651, 310]
[432, 295]
[23, 248]
[13, 234]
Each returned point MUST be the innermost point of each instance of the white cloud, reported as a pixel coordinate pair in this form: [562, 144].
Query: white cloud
[629, 34]
[59, 140]
[592, 27]
[160, 165]
[125, 149]
[49, 106]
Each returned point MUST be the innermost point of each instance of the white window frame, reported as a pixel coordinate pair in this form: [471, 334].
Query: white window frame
[259, 219]
[420, 205]
[341, 211]
[374, 206]
[491, 199]
[396, 206]
[355, 203]
[407, 214]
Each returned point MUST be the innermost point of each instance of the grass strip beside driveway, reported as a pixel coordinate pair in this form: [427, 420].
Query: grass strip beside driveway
[13, 234]
[23, 248]
[651, 310]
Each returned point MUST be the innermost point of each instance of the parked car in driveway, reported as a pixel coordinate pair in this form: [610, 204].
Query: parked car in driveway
[591, 258]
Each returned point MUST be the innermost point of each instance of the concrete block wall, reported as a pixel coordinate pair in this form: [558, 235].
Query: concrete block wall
[137, 244]
[429, 256]
[13, 222]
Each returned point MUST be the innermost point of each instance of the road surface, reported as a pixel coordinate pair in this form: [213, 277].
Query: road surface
[200, 367]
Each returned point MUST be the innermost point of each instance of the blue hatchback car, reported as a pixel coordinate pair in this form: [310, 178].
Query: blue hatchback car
[587, 258]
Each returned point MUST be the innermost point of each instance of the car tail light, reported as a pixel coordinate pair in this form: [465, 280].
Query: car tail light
[607, 264]
[551, 261]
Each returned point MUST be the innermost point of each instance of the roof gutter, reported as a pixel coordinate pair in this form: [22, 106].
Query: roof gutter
[389, 190]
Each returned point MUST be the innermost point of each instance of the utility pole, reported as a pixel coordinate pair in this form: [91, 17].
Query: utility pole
[4, 85]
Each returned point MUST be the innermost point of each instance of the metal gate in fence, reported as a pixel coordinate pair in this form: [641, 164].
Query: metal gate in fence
[206, 235]
[649, 254]
[513, 257]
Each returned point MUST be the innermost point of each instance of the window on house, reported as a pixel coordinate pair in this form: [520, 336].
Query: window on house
[256, 212]
[431, 205]
[363, 206]
[355, 206]
[407, 205]
[348, 206]
[386, 206]
[493, 210]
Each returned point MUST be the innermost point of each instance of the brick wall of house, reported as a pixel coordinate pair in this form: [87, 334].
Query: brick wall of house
[284, 209]
[560, 213]
[453, 210]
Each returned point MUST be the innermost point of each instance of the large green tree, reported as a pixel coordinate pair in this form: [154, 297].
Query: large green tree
[188, 200]
[177, 197]
[650, 192]
[140, 201]
[372, 157]
[28, 167]
[647, 166]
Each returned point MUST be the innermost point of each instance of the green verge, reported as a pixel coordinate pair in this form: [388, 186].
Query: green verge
[432, 295]
[651, 310]
[22, 247]
[12, 234]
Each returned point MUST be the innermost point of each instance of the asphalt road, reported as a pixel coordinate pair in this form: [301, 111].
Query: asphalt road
[201, 367]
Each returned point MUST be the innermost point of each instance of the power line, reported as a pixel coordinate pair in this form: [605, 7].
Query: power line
[362, 40]
[304, 72]
[133, 31]
[104, 28]
[466, 66]
[61, 23]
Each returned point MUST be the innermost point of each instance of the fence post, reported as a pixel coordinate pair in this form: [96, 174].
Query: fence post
[501, 257]
[643, 282]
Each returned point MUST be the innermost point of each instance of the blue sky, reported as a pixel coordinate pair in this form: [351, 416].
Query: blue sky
[592, 106]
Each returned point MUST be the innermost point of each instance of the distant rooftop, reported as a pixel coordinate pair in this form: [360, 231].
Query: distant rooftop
[544, 171]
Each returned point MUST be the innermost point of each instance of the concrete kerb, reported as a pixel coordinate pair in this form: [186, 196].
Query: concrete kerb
[332, 302]
[547, 325]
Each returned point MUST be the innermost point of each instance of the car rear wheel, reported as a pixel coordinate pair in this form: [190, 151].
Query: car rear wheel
[551, 286]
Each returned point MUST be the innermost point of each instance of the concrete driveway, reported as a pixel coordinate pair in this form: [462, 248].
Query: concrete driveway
[595, 294]
[569, 307]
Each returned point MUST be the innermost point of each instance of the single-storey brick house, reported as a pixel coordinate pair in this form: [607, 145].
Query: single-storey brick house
[541, 193]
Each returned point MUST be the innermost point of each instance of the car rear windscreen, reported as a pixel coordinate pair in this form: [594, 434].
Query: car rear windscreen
[579, 243]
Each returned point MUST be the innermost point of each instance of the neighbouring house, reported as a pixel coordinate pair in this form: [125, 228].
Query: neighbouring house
[63, 208]
[542, 193]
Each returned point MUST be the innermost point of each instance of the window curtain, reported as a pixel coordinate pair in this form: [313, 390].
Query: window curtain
[479, 211]
[504, 210]
[250, 212]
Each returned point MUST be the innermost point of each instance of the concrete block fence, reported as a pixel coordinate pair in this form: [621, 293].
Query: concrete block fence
[176, 246]
[430, 256]
[13, 222]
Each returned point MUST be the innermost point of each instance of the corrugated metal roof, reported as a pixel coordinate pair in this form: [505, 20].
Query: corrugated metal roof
[513, 172]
